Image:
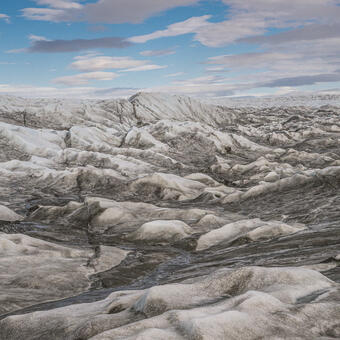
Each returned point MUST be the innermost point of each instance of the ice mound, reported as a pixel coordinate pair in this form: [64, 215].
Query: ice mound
[8, 215]
[168, 186]
[172, 187]
[162, 231]
[252, 230]
[102, 214]
[297, 180]
[21, 142]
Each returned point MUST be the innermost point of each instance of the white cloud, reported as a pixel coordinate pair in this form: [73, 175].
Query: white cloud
[191, 25]
[289, 63]
[126, 64]
[145, 68]
[208, 33]
[215, 68]
[18, 50]
[98, 63]
[43, 14]
[256, 17]
[102, 11]
[289, 60]
[37, 38]
[305, 33]
[177, 74]
[157, 53]
[93, 66]
[5, 17]
[226, 32]
[60, 4]
[250, 60]
[85, 78]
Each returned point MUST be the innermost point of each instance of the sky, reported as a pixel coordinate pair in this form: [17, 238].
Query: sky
[215, 48]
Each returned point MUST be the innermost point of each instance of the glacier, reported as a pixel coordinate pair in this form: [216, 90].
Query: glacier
[168, 217]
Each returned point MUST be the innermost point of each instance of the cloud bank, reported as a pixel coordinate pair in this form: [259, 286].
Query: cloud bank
[102, 11]
[43, 45]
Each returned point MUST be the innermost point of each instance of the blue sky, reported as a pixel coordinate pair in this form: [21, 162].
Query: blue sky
[216, 48]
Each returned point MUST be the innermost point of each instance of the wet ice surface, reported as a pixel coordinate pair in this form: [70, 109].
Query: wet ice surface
[160, 217]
